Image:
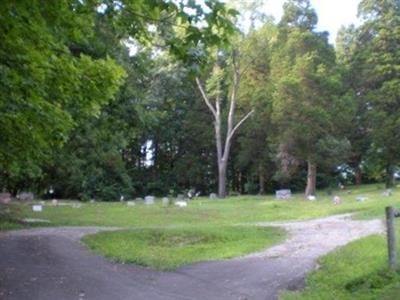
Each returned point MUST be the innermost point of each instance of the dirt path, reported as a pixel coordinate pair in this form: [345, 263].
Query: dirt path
[50, 263]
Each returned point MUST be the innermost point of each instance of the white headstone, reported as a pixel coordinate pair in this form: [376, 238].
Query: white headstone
[181, 203]
[130, 203]
[54, 202]
[312, 198]
[336, 200]
[165, 201]
[149, 200]
[37, 208]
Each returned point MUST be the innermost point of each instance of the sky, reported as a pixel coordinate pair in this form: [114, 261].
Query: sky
[332, 14]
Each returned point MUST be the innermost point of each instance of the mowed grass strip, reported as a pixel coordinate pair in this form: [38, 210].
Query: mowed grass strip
[357, 271]
[166, 249]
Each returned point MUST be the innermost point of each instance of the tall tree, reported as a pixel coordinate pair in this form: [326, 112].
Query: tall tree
[223, 144]
[307, 108]
[378, 43]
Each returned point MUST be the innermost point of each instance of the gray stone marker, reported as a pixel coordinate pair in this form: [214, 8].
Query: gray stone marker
[283, 194]
[213, 196]
[5, 198]
[387, 193]
[361, 198]
[130, 203]
[149, 200]
[25, 197]
[165, 201]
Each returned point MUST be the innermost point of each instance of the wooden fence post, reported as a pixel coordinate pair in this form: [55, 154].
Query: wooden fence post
[391, 214]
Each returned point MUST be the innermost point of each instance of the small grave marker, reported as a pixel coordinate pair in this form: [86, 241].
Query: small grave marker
[283, 194]
[37, 208]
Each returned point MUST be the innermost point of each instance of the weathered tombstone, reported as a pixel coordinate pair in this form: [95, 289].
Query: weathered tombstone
[165, 201]
[25, 197]
[130, 203]
[181, 203]
[37, 208]
[387, 193]
[5, 198]
[149, 200]
[283, 194]
[337, 200]
[311, 198]
[361, 198]
[54, 202]
[213, 196]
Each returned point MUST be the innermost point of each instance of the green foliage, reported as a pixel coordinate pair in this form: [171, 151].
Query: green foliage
[46, 87]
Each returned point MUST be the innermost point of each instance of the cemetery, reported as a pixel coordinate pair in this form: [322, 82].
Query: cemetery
[200, 150]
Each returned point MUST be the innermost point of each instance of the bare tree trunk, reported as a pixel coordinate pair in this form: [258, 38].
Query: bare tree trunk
[223, 148]
[222, 179]
[390, 179]
[358, 175]
[261, 181]
[311, 178]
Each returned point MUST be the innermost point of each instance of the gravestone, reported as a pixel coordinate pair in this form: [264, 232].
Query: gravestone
[5, 198]
[54, 202]
[121, 198]
[180, 197]
[149, 200]
[361, 198]
[92, 201]
[37, 208]
[25, 197]
[213, 196]
[387, 193]
[337, 200]
[283, 194]
[165, 201]
[130, 203]
[181, 203]
[311, 198]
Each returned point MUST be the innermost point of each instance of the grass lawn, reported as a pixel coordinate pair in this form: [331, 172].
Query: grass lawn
[174, 247]
[230, 211]
[356, 271]
[157, 236]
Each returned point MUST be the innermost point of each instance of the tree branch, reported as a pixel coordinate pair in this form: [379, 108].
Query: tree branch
[240, 123]
[205, 98]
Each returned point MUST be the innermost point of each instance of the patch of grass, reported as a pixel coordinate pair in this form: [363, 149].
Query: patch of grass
[233, 210]
[356, 271]
[170, 248]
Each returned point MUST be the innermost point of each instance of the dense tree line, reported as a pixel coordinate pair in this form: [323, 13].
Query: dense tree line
[100, 99]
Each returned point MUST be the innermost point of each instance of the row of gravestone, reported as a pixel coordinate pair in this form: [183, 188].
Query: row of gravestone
[23, 197]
